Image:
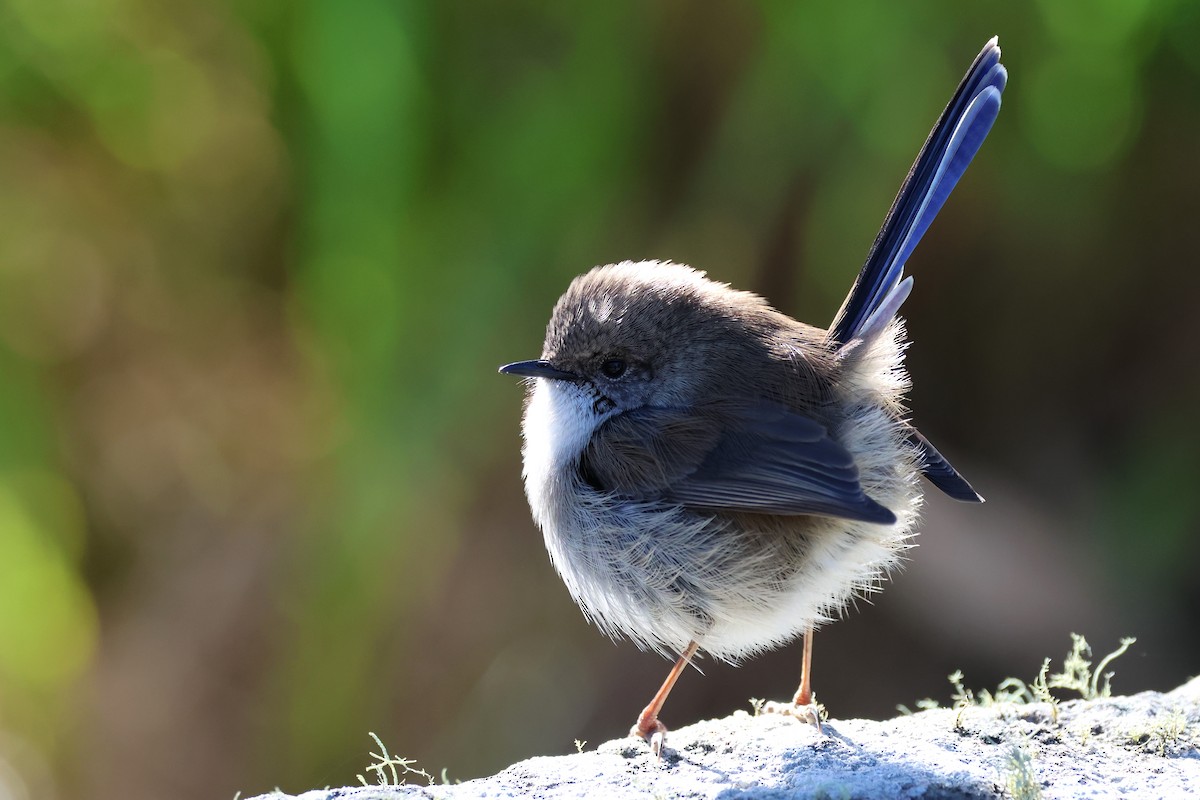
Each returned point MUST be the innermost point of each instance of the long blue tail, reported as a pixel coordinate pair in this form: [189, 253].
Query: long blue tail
[953, 142]
[881, 287]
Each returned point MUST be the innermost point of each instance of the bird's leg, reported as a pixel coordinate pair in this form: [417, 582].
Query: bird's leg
[803, 705]
[648, 726]
[804, 695]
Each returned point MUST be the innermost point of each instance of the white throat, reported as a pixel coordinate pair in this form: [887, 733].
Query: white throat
[559, 421]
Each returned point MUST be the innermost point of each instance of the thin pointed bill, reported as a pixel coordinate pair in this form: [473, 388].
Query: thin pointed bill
[538, 369]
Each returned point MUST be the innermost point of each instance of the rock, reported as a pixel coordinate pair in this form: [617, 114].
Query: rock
[1143, 746]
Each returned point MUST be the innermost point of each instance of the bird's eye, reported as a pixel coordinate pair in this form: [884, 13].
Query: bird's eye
[613, 368]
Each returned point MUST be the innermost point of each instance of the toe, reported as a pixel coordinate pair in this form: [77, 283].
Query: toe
[654, 732]
[810, 713]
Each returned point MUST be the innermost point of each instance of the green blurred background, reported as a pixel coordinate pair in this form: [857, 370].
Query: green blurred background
[259, 481]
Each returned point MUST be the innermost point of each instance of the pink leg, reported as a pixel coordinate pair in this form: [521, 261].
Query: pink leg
[804, 694]
[648, 726]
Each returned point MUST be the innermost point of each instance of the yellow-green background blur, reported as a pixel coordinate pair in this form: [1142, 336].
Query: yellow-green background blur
[259, 481]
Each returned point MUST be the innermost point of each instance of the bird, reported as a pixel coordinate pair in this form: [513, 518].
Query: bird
[711, 475]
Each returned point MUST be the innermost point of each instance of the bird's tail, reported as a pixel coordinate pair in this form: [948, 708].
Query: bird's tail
[881, 287]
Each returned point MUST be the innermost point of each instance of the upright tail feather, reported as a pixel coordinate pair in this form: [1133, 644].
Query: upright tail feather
[880, 287]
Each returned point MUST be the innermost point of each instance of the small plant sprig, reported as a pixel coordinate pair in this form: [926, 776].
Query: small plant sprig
[390, 770]
[1171, 734]
[1077, 675]
[1020, 779]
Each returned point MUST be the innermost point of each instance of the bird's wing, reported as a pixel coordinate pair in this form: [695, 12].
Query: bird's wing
[940, 472]
[761, 458]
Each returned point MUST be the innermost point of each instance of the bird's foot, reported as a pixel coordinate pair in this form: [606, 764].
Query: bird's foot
[809, 712]
[653, 731]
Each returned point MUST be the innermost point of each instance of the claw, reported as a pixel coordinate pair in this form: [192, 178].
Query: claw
[658, 740]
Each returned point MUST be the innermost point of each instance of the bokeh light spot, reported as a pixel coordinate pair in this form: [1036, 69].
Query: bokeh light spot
[1095, 22]
[1081, 109]
[47, 623]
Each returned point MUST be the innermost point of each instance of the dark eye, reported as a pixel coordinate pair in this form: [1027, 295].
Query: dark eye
[613, 368]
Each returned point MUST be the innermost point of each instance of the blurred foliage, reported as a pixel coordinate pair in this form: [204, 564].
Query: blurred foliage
[259, 260]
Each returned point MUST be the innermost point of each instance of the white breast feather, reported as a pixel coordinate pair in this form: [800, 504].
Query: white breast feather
[559, 422]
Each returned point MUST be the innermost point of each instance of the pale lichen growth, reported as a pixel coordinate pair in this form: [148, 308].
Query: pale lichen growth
[1077, 675]
[1170, 735]
[1019, 777]
[391, 770]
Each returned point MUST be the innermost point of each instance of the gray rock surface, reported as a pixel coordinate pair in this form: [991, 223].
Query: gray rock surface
[1142, 746]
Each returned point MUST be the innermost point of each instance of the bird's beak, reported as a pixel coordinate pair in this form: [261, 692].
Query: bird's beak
[538, 369]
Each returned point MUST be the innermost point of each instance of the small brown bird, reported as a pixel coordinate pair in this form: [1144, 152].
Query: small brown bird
[711, 474]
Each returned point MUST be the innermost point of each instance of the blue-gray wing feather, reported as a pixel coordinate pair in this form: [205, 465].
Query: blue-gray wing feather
[760, 458]
[940, 472]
